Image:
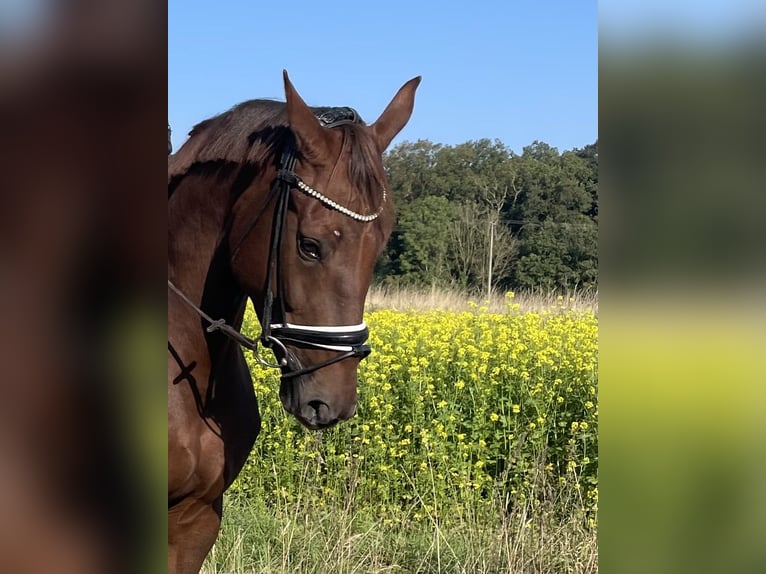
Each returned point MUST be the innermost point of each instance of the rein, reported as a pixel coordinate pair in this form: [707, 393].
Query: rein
[347, 340]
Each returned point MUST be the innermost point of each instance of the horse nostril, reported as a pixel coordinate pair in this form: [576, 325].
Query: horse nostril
[316, 405]
[318, 411]
[317, 414]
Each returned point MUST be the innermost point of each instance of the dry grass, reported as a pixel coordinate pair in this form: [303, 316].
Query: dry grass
[405, 299]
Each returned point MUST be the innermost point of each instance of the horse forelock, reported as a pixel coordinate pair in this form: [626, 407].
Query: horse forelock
[365, 168]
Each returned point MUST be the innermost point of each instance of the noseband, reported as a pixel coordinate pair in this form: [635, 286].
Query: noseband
[347, 340]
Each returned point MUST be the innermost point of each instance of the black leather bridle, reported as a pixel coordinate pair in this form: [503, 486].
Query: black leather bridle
[346, 340]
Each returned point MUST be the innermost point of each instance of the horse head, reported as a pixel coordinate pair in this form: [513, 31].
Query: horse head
[309, 271]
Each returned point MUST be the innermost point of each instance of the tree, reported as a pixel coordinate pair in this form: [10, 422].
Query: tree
[420, 249]
[555, 224]
[410, 169]
[478, 215]
[472, 250]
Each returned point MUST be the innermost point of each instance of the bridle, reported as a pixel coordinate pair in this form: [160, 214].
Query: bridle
[346, 340]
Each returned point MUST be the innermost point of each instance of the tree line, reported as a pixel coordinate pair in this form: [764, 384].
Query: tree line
[479, 216]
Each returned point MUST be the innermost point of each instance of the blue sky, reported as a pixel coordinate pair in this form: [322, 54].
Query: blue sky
[698, 20]
[515, 70]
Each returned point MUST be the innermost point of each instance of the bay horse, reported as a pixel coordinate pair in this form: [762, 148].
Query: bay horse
[286, 205]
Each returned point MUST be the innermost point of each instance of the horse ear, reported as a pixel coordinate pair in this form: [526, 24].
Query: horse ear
[311, 136]
[396, 115]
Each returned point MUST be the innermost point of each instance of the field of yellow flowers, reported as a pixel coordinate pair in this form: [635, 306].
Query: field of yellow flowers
[463, 416]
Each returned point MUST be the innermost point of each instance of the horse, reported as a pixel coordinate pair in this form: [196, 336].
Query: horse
[286, 205]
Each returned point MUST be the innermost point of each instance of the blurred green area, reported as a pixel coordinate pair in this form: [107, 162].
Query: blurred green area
[682, 330]
[683, 172]
[138, 333]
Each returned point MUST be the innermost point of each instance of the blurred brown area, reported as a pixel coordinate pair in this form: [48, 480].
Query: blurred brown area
[82, 244]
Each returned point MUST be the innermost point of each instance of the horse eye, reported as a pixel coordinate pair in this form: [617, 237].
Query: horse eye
[310, 249]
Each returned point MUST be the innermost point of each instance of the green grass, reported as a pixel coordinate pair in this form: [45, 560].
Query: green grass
[279, 537]
[255, 539]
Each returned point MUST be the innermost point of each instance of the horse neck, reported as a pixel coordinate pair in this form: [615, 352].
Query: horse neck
[196, 216]
[198, 262]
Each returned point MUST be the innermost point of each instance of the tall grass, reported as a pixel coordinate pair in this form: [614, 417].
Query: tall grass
[273, 538]
[453, 299]
[353, 499]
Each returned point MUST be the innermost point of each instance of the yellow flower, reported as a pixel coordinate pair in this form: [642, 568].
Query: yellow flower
[549, 356]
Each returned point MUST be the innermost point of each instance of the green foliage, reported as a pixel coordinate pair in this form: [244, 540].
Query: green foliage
[422, 243]
[410, 169]
[559, 232]
[544, 204]
[564, 256]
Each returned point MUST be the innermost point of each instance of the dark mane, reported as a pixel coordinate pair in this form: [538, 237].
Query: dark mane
[255, 132]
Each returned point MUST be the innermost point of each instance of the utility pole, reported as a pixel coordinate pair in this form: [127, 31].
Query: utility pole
[491, 248]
